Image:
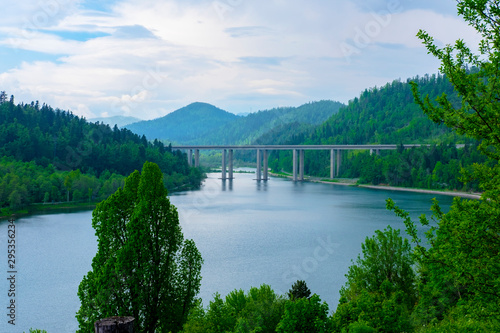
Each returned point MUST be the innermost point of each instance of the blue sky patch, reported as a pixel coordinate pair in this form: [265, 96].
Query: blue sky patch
[81, 36]
[12, 58]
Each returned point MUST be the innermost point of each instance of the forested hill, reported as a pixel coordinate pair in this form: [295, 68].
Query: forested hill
[246, 130]
[201, 123]
[52, 141]
[387, 115]
[188, 123]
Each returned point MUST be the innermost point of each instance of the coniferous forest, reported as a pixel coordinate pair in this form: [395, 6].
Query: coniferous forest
[52, 156]
[387, 115]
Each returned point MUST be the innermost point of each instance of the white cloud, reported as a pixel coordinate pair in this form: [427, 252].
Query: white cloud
[156, 56]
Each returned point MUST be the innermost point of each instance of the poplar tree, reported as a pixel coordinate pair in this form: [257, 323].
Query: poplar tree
[143, 266]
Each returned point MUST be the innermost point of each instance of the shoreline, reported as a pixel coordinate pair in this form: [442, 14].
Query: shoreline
[427, 191]
[49, 208]
[465, 195]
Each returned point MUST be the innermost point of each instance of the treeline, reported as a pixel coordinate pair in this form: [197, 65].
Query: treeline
[24, 183]
[245, 130]
[30, 132]
[433, 167]
[386, 115]
[52, 141]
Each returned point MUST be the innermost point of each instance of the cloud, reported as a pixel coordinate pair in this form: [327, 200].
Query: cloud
[145, 58]
[243, 32]
[133, 32]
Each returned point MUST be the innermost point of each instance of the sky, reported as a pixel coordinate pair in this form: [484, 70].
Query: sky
[147, 58]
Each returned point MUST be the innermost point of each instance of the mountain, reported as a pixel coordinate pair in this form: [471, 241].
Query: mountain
[246, 130]
[120, 121]
[201, 123]
[188, 123]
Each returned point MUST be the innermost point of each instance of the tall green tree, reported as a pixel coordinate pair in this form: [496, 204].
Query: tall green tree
[380, 289]
[143, 267]
[463, 263]
[305, 315]
[299, 290]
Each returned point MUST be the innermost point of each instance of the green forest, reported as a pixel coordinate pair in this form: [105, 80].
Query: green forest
[205, 124]
[387, 115]
[50, 156]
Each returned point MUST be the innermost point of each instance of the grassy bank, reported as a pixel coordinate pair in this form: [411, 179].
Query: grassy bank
[354, 182]
[47, 209]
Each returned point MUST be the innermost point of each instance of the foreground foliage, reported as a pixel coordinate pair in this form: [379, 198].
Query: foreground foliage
[380, 290]
[460, 279]
[143, 267]
[259, 310]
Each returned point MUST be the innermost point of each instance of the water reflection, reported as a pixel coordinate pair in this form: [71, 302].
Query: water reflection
[227, 184]
[261, 185]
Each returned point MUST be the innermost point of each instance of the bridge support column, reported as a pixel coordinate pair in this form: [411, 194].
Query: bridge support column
[339, 161]
[223, 164]
[265, 165]
[258, 165]
[301, 165]
[190, 157]
[294, 165]
[197, 158]
[332, 163]
[230, 166]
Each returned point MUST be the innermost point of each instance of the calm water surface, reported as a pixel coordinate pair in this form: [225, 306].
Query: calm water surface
[249, 233]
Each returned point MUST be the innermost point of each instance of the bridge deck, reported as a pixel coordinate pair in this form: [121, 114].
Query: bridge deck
[306, 147]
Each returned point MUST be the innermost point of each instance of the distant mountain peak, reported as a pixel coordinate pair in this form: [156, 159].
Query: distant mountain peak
[186, 123]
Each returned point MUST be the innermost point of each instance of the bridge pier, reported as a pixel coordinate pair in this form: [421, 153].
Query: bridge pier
[332, 163]
[266, 167]
[339, 160]
[197, 158]
[294, 165]
[230, 166]
[190, 157]
[258, 165]
[301, 165]
[223, 177]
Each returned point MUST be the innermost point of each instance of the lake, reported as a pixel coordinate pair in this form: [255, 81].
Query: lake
[248, 232]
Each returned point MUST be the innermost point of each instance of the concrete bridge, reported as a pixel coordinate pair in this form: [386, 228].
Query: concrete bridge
[298, 156]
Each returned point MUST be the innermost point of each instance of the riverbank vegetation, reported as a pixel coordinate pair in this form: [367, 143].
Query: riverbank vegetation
[52, 156]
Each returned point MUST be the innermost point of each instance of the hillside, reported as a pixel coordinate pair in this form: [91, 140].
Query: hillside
[51, 155]
[246, 130]
[188, 123]
[388, 115]
[385, 115]
[201, 123]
